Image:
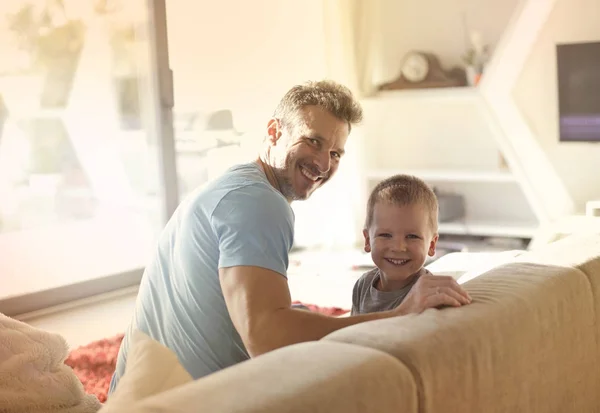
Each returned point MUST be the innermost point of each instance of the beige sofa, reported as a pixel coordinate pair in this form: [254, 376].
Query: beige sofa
[528, 343]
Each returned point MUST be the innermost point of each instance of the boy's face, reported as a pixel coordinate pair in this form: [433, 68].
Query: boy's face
[400, 239]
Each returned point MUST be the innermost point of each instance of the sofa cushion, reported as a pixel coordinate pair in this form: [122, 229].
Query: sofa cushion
[577, 251]
[525, 344]
[309, 377]
[151, 369]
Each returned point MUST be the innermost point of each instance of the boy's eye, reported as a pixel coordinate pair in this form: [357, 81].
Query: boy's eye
[385, 235]
[413, 236]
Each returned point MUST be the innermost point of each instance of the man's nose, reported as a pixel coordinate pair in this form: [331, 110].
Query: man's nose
[323, 162]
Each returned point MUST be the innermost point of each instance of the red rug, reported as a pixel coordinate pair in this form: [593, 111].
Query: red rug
[95, 363]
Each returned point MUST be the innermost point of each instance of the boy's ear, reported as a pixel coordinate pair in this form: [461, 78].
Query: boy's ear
[367, 240]
[432, 245]
[273, 131]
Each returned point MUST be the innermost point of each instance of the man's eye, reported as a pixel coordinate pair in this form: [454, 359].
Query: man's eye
[335, 155]
[314, 141]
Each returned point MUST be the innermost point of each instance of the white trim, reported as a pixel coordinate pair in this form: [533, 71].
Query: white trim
[489, 229]
[49, 299]
[454, 94]
[541, 184]
[161, 107]
[516, 44]
[84, 302]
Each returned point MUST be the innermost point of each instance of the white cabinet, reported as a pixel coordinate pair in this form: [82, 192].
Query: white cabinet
[453, 138]
[444, 137]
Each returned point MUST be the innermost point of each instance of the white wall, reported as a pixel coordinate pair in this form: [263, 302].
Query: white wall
[429, 130]
[237, 54]
[243, 55]
[246, 60]
[439, 27]
[536, 93]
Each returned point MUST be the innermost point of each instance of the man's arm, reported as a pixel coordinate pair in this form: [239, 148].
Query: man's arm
[259, 303]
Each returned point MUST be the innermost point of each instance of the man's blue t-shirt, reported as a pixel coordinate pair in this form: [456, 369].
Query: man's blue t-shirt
[238, 219]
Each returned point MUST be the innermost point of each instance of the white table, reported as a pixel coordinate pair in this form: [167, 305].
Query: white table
[576, 224]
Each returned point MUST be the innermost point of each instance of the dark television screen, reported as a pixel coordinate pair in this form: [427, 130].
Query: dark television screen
[579, 91]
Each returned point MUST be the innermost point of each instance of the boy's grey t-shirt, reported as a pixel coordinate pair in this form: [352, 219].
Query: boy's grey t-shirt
[368, 299]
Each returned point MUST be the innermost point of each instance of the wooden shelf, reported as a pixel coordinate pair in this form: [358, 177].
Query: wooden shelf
[489, 229]
[448, 175]
[441, 93]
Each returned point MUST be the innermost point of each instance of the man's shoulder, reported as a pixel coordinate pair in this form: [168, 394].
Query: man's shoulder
[244, 185]
[244, 197]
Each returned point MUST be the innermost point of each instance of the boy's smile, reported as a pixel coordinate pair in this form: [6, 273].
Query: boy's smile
[399, 240]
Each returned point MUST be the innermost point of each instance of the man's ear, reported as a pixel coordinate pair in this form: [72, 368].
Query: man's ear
[432, 245]
[273, 131]
[367, 240]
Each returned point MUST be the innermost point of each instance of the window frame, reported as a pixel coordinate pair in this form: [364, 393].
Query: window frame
[161, 114]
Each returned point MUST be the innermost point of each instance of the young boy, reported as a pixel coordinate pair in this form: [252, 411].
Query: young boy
[400, 232]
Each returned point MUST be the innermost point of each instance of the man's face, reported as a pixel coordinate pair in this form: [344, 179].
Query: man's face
[307, 154]
[399, 240]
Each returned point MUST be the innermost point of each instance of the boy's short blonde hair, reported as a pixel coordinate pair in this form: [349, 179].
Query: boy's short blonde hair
[403, 190]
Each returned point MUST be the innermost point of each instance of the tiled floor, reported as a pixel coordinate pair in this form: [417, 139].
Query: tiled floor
[323, 278]
[86, 323]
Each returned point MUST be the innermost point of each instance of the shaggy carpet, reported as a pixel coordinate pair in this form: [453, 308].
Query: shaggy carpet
[95, 362]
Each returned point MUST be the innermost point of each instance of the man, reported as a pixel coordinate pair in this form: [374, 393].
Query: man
[216, 292]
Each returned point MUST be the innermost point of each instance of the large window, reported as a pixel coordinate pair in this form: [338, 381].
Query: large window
[81, 186]
[93, 162]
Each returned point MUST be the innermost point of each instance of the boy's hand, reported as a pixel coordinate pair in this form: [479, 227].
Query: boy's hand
[432, 291]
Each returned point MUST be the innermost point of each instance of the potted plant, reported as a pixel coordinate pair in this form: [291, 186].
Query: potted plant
[475, 58]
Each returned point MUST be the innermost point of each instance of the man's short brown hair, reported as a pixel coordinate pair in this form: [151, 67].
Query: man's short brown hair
[329, 95]
[403, 190]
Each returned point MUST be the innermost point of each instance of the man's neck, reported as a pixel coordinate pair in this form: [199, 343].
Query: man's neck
[269, 173]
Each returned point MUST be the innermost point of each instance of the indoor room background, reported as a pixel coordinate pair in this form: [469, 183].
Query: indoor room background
[85, 185]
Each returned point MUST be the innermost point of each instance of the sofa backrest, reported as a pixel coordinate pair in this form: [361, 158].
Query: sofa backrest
[583, 253]
[528, 342]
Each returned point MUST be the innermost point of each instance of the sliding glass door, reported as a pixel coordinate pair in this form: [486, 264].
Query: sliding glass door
[87, 171]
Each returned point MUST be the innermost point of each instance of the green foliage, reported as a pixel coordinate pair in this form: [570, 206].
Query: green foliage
[44, 40]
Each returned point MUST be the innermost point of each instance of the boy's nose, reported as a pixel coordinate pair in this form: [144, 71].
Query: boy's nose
[400, 245]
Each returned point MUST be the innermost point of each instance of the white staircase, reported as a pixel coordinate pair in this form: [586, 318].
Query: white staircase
[542, 186]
